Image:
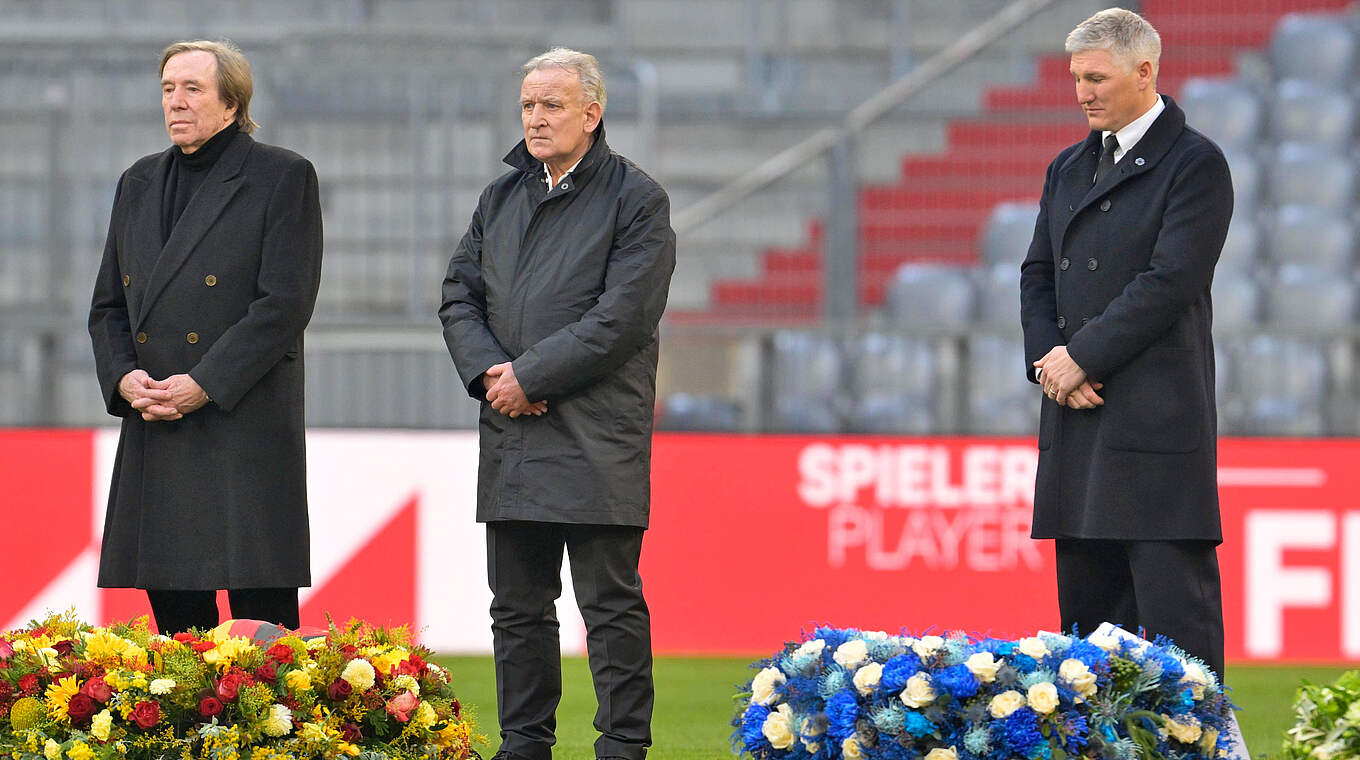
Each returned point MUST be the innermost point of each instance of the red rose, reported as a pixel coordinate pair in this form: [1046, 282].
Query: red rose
[210, 706]
[201, 646]
[63, 647]
[184, 637]
[80, 708]
[146, 714]
[28, 684]
[402, 705]
[230, 685]
[266, 672]
[281, 653]
[349, 650]
[97, 689]
[351, 733]
[339, 690]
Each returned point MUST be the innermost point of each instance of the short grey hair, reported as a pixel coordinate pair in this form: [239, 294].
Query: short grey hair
[583, 65]
[1128, 36]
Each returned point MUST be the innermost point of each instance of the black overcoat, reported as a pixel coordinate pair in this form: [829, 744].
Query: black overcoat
[1120, 273]
[217, 499]
[569, 283]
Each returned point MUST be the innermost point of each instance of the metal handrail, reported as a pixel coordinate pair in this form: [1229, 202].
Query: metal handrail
[894, 95]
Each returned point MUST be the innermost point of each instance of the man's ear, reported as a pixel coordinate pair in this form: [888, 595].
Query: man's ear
[594, 112]
[1145, 74]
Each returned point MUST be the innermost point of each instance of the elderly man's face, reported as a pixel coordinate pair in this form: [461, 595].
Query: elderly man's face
[1111, 94]
[557, 120]
[194, 110]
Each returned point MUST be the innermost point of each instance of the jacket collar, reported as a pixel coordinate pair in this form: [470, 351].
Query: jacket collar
[520, 158]
[1145, 154]
[223, 181]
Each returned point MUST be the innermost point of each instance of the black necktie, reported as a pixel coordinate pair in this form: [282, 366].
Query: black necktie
[1106, 157]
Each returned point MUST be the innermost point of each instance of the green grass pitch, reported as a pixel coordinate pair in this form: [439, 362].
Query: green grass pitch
[694, 704]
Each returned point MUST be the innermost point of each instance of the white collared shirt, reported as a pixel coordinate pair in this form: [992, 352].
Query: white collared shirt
[1134, 131]
[547, 173]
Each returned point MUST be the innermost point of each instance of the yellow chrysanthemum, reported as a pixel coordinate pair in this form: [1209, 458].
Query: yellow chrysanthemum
[80, 751]
[298, 680]
[105, 647]
[51, 750]
[454, 735]
[59, 696]
[102, 725]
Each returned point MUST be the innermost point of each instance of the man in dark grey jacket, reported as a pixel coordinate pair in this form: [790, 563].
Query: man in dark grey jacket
[550, 311]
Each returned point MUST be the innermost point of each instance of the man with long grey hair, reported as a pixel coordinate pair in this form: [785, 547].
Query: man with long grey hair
[550, 312]
[1117, 315]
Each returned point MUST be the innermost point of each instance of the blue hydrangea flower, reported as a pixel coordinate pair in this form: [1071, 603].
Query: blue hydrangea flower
[1089, 654]
[842, 710]
[898, 671]
[1021, 731]
[957, 680]
[750, 733]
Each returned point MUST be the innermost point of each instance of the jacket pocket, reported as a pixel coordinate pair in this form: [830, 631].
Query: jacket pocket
[1155, 404]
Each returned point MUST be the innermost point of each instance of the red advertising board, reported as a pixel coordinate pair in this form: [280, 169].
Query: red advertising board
[753, 538]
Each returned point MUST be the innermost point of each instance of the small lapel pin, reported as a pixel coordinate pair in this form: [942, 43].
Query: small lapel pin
[1139, 161]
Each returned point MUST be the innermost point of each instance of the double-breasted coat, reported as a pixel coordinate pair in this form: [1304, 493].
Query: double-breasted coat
[568, 283]
[1120, 273]
[218, 498]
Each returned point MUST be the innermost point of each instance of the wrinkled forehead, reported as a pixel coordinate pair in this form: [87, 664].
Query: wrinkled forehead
[191, 65]
[1101, 60]
[552, 81]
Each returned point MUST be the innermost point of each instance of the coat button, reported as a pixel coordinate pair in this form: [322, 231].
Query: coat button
[210, 280]
[141, 337]
[1091, 264]
[1062, 322]
[1084, 320]
[127, 280]
[1105, 205]
[1064, 263]
[1070, 207]
[192, 337]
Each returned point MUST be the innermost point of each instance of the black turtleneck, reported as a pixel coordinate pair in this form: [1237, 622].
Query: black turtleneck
[186, 174]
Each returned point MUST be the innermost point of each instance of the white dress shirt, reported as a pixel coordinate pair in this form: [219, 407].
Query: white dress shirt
[1134, 131]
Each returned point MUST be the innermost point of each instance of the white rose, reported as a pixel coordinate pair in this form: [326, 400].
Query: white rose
[1033, 647]
[867, 678]
[927, 645]
[763, 686]
[811, 648]
[942, 753]
[51, 750]
[850, 749]
[984, 666]
[1078, 676]
[851, 654]
[918, 692]
[1043, 698]
[1197, 679]
[1104, 641]
[1006, 703]
[778, 728]
[1186, 733]
[162, 686]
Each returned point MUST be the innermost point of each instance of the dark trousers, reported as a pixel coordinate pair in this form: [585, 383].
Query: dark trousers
[524, 565]
[1167, 588]
[177, 611]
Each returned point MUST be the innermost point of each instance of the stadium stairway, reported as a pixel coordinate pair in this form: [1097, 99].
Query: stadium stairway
[936, 210]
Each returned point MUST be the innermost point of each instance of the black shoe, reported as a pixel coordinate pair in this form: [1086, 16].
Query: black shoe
[506, 754]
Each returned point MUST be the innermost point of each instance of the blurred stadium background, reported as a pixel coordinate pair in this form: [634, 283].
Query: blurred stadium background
[853, 184]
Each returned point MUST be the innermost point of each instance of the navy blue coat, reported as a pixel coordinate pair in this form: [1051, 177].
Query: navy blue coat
[1120, 273]
[568, 282]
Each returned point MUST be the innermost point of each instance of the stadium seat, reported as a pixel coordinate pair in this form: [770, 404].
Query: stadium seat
[998, 297]
[1308, 111]
[1284, 385]
[896, 382]
[930, 295]
[1001, 399]
[1246, 182]
[692, 412]
[888, 414]
[1314, 175]
[1318, 47]
[1314, 236]
[804, 414]
[807, 376]
[1241, 249]
[1005, 239]
[1237, 300]
[1226, 110]
[1310, 297]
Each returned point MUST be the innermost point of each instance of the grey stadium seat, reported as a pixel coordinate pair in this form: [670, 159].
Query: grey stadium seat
[1001, 399]
[1237, 300]
[896, 381]
[1314, 175]
[1307, 111]
[1226, 110]
[1313, 236]
[1005, 239]
[1284, 386]
[1311, 297]
[1246, 181]
[797, 414]
[1242, 247]
[691, 412]
[930, 295]
[998, 297]
[1313, 46]
[807, 378]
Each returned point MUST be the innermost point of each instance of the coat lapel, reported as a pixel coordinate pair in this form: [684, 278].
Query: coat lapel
[144, 229]
[217, 190]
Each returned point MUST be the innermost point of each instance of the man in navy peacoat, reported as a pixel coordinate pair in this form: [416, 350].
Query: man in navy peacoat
[1117, 320]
